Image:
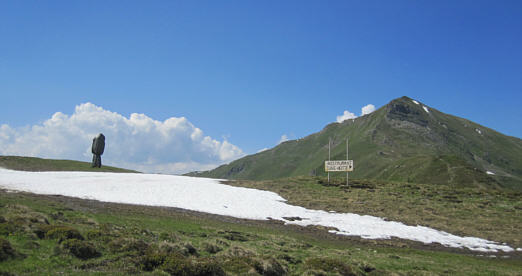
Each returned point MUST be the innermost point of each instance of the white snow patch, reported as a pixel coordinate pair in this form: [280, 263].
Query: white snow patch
[415, 102]
[426, 109]
[490, 172]
[519, 249]
[210, 196]
[478, 131]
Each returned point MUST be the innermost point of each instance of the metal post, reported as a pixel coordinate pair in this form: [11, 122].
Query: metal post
[329, 139]
[347, 159]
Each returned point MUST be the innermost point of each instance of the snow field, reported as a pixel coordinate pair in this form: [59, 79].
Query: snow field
[210, 196]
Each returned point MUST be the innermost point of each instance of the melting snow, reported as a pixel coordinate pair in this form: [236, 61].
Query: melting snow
[426, 109]
[478, 131]
[490, 172]
[210, 196]
[415, 102]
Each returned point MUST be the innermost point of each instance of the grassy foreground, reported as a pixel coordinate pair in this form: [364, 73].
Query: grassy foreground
[48, 235]
[38, 165]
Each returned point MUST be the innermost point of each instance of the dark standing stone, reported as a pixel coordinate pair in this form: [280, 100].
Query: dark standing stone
[98, 146]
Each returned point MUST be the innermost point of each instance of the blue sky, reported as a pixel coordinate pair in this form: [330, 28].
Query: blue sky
[249, 72]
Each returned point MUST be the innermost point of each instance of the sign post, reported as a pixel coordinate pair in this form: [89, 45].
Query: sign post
[338, 165]
[347, 159]
[329, 142]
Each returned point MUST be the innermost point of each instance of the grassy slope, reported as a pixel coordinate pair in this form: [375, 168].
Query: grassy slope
[490, 214]
[130, 238]
[417, 147]
[39, 164]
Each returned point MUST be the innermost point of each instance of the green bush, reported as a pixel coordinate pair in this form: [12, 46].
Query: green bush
[6, 250]
[57, 232]
[211, 248]
[329, 265]
[241, 265]
[208, 267]
[190, 249]
[41, 230]
[8, 228]
[62, 233]
[314, 273]
[128, 245]
[179, 265]
[271, 267]
[152, 260]
[94, 234]
[80, 249]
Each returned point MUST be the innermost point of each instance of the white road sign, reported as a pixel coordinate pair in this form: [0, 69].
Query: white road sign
[338, 166]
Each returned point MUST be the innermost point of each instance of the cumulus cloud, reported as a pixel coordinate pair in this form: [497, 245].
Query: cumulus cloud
[345, 116]
[137, 142]
[283, 138]
[367, 109]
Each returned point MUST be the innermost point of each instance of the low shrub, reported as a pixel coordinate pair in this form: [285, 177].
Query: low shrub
[41, 230]
[94, 234]
[271, 267]
[152, 260]
[128, 245]
[7, 228]
[208, 267]
[179, 265]
[62, 233]
[58, 232]
[234, 236]
[329, 265]
[6, 250]
[241, 265]
[80, 249]
[236, 251]
[211, 248]
[190, 249]
[314, 272]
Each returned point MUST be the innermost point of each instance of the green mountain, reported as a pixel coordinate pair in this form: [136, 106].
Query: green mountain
[402, 141]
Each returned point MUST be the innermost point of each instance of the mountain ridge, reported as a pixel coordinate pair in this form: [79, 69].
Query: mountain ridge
[404, 140]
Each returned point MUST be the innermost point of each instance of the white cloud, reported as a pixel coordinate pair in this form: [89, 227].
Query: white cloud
[345, 116]
[138, 142]
[283, 138]
[367, 109]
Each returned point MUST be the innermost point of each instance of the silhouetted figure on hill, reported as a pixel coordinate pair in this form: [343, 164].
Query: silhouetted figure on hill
[98, 145]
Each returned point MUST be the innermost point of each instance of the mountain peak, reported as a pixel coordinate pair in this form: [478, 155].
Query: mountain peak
[407, 109]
